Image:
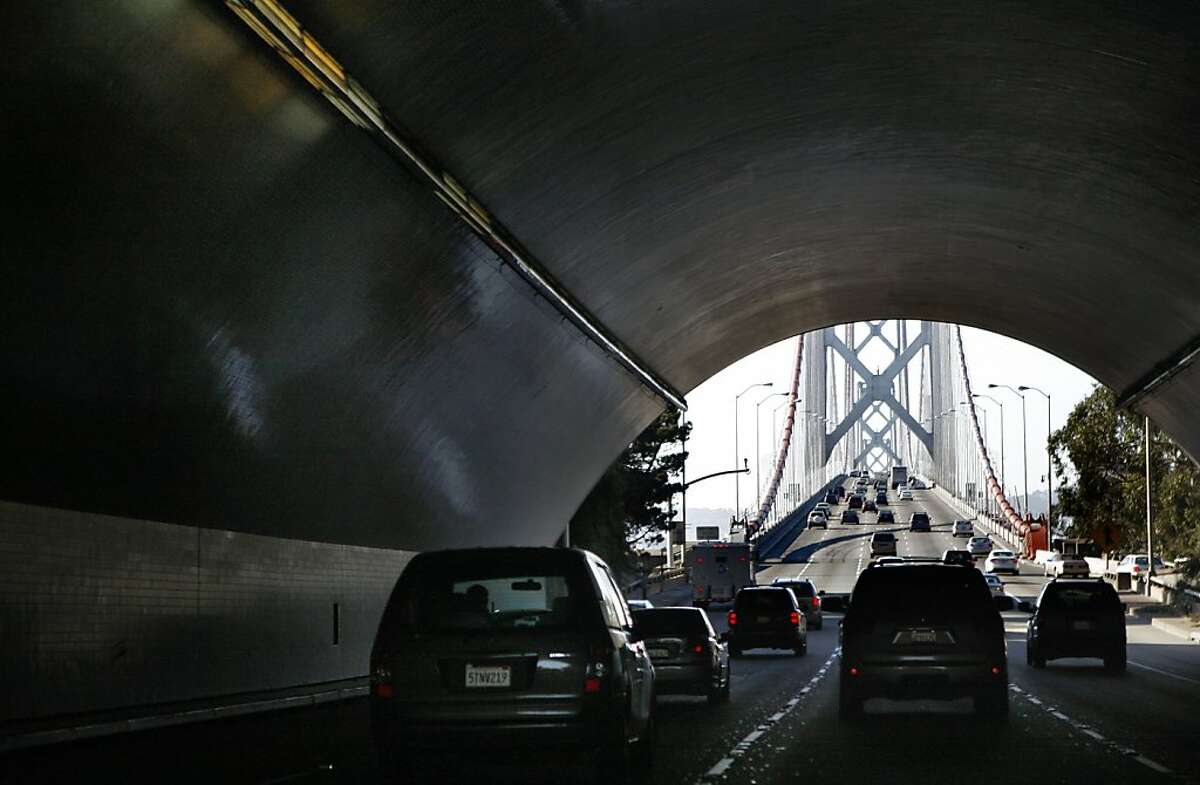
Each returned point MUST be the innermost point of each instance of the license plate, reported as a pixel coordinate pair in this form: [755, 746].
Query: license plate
[764, 619]
[1082, 625]
[923, 636]
[488, 676]
[659, 654]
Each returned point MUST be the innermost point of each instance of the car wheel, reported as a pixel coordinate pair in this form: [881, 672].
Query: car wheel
[850, 703]
[801, 648]
[1115, 661]
[614, 760]
[1036, 658]
[728, 688]
[643, 752]
[994, 704]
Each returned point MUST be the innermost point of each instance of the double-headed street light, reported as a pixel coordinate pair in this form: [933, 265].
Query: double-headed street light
[1024, 439]
[737, 480]
[1049, 463]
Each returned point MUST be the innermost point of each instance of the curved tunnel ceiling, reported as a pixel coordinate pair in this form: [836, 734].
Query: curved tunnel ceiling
[227, 273]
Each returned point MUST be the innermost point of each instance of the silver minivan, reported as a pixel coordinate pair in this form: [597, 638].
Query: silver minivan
[512, 648]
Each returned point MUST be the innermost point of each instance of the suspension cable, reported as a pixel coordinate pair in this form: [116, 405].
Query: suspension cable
[784, 445]
[1015, 521]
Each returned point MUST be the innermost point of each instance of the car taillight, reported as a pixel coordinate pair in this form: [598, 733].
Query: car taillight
[381, 682]
[795, 618]
[854, 671]
[732, 618]
[698, 648]
[996, 670]
[597, 669]
[816, 602]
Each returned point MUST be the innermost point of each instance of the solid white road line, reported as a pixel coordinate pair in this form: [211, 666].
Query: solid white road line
[1168, 674]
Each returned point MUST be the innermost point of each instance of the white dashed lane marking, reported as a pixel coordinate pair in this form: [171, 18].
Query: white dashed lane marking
[1092, 733]
[743, 746]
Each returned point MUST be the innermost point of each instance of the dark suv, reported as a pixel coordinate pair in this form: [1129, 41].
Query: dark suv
[1076, 618]
[806, 597]
[919, 522]
[767, 617]
[511, 646]
[914, 631]
[689, 658]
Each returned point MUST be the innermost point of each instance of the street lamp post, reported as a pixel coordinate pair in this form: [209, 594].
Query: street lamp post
[737, 480]
[1024, 443]
[758, 451]
[1049, 463]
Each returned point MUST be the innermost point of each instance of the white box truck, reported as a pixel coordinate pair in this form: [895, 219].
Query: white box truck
[716, 570]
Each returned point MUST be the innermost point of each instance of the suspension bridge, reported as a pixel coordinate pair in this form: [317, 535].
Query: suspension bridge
[918, 410]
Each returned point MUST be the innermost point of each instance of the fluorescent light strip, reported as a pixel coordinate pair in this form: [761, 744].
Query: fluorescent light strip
[280, 29]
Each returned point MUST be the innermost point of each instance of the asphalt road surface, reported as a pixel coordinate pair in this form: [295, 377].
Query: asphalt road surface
[1071, 723]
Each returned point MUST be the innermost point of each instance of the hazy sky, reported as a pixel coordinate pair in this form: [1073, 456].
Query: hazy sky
[991, 358]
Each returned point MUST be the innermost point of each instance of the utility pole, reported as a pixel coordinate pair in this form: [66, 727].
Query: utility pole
[737, 480]
[1149, 524]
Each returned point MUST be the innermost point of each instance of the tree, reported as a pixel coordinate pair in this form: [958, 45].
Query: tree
[631, 504]
[1099, 459]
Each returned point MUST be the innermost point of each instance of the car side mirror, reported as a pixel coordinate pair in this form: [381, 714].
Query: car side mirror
[1025, 606]
[1004, 603]
[821, 593]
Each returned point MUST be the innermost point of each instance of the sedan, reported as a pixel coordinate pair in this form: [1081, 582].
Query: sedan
[1002, 561]
[886, 516]
[906, 495]
[1066, 565]
[979, 546]
[881, 498]
[995, 585]
[869, 506]
[850, 516]
[963, 528]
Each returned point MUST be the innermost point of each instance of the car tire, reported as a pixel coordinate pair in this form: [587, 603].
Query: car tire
[800, 649]
[850, 703]
[1115, 661]
[994, 704]
[1036, 658]
[644, 749]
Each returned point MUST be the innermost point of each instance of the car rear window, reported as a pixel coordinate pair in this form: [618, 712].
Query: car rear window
[883, 537]
[1079, 598]
[766, 600]
[920, 516]
[895, 589]
[670, 621]
[442, 594]
[800, 588]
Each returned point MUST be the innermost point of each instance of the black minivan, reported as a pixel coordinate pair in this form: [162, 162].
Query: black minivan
[523, 647]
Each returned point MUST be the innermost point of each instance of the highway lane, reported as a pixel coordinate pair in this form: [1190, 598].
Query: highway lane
[1073, 720]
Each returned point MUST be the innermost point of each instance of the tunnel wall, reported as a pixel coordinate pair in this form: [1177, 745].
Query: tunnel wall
[99, 612]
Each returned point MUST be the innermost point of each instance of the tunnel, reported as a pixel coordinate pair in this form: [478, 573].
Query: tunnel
[246, 339]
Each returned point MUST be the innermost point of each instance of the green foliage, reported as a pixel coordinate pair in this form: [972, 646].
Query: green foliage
[1099, 459]
[631, 504]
